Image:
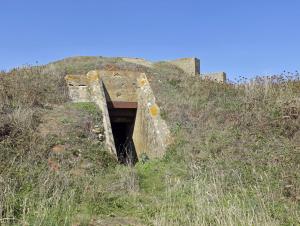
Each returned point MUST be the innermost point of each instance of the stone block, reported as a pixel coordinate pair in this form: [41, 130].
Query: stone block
[218, 77]
[190, 66]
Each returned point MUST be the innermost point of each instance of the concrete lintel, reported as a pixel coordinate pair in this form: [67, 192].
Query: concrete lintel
[122, 105]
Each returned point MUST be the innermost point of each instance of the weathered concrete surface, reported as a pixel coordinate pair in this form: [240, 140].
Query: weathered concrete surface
[78, 88]
[120, 85]
[151, 133]
[100, 101]
[218, 77]
[190, 66]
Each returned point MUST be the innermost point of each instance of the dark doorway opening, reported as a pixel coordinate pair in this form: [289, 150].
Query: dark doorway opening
[122, 117]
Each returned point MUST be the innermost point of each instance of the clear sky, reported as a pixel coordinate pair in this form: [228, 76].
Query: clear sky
[241, 37]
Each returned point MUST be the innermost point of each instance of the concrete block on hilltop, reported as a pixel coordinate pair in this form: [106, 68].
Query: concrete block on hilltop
[190, 66]
[217, 76]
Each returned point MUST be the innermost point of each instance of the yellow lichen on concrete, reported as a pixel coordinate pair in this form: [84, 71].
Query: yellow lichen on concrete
[142, 82]
[154, 110]
[90, 77]
[76, 80]
[93, 76]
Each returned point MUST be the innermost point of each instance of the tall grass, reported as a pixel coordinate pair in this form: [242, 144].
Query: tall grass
[205, 201]
[37, 185]
[241, 145]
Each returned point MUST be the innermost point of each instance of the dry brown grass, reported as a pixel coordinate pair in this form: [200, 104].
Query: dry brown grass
[240, 143]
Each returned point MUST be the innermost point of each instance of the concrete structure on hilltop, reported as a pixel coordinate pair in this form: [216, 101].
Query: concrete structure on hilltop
[132, 122]
[190, 66]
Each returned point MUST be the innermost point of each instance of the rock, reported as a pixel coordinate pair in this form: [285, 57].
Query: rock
[96, 130]
[101, 137]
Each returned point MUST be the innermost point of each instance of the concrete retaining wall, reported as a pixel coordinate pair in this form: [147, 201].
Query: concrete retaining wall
[78, 88]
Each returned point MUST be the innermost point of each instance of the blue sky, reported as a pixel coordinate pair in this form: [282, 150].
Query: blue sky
[237, 36]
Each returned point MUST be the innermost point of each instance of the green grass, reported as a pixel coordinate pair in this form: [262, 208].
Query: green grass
[242, 141]
[90, 108]
[234, 161]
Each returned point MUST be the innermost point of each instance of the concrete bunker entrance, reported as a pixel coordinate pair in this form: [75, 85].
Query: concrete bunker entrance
[122, 117]
[130, 130]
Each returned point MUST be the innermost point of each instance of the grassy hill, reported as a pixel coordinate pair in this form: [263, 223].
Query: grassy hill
[235, 158]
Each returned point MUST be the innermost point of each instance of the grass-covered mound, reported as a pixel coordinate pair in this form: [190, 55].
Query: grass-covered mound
[234, 161]
[241, 144]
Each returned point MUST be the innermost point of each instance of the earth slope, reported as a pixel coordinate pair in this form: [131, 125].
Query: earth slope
[235, 158]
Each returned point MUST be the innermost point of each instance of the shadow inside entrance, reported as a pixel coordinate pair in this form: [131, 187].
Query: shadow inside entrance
[122, 118]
